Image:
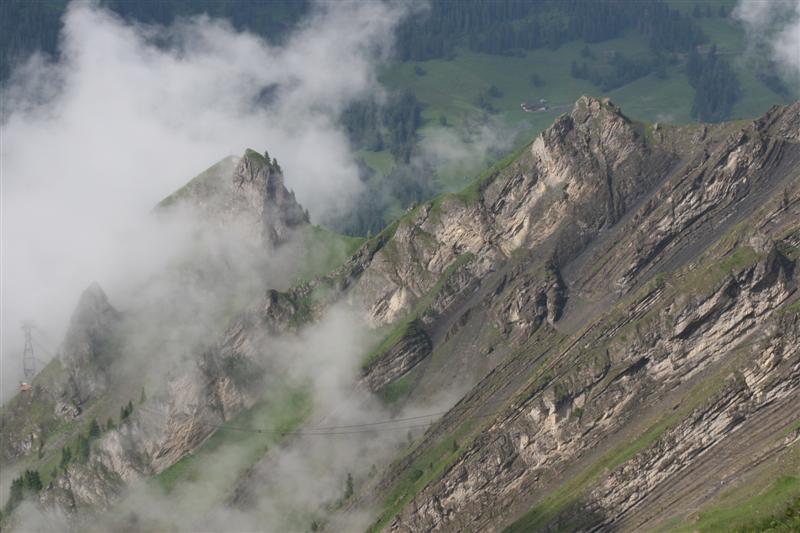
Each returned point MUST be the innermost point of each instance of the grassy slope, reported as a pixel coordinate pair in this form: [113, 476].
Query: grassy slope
[324, 250]
[771, 506]
[206, 179]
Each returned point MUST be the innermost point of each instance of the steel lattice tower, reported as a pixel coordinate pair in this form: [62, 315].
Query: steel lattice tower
[28, 359]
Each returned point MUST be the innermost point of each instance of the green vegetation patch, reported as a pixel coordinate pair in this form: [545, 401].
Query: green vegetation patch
[239, 441]
[399, 389]
[427, 467]
[209, 180]
[776, 509]
[324, 251]
[255, 156]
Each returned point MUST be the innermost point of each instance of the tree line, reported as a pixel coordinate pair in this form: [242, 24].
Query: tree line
[489, 26]
[716, 86]
[392, 125]
[505, 26]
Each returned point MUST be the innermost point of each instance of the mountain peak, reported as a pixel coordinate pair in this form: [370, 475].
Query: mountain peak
[248, 191]
[261, 181]
[590, 110]
[84, 352]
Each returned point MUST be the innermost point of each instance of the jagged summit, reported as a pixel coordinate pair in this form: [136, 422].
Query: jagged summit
[248, 191]
[260, 182]
[85, 350]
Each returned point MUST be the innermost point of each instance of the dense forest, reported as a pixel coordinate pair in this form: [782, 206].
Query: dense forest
[28, 25]
[716, 85]
[389, 125]
[617, 71]
[489, 26]
[504, 26]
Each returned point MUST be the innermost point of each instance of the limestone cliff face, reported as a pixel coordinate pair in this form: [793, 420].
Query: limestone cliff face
[670, 354]
[173, 422]
[199, 393]
[247, 192]
[597, 389]
[259, 190]
[209, 384]
[575, 179]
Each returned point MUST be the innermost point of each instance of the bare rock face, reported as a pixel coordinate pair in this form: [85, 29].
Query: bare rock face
[88, 348]
[171, 425]
[402, 356]
[259, 183]
[575, 179]
[84, 487]
[683, 367]
[528, 297]
[640, 283]
[67, 410]
[247, 193]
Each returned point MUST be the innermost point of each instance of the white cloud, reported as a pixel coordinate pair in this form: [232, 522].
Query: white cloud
[91, 142]
[776, 25]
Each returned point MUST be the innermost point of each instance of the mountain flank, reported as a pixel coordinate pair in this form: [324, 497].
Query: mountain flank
[613, 308]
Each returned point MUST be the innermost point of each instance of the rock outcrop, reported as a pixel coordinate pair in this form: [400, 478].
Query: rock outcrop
[412, 347]
[652, 292]
[89, 349]
[247, 192]
[258, 189]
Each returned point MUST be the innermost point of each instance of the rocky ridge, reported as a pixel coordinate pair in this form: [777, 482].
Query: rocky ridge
[619, 299]
[249, 193]
[584, 390]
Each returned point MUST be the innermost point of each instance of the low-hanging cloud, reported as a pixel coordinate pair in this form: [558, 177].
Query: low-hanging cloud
[776, 25]
[460, 152]
[128, 112]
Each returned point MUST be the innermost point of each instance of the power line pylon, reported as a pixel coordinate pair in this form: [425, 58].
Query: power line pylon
[28, 359]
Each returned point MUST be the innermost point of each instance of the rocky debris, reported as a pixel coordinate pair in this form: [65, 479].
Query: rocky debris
[88, 348]
[528, 297]
[29, 443]
[412, 347]
[67, 410]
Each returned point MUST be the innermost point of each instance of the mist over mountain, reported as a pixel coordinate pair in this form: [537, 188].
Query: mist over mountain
[453, 266]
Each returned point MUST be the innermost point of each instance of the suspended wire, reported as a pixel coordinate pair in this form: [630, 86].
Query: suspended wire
[351, 429]
[344, 429]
